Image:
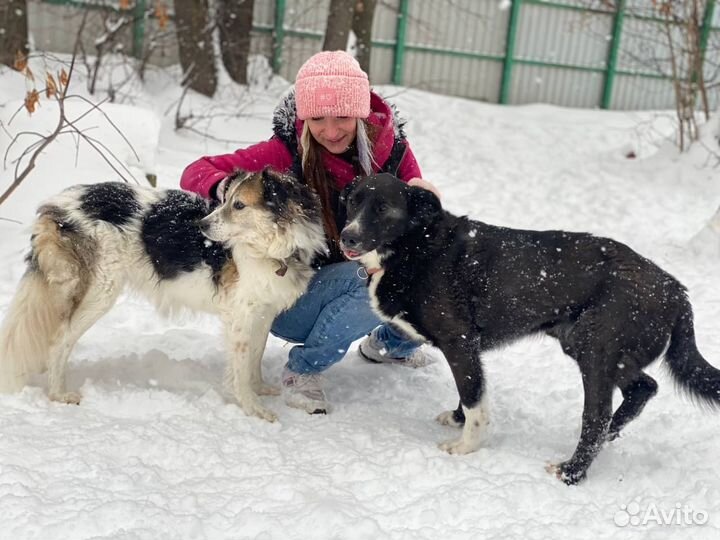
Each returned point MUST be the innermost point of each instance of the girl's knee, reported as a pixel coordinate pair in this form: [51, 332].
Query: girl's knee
[349, 276]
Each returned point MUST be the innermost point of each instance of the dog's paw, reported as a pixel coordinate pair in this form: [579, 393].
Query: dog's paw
[71, 398]
[566, 472]
[447, 418]
[264, 389]
[254, 408]
[458, 446]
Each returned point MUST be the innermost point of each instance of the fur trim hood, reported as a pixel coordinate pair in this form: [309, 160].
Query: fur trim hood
[288, 128]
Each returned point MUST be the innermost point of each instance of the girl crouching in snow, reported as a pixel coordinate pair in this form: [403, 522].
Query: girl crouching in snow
[327, 131]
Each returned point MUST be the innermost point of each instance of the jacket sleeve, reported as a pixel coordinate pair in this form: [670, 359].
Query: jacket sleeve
[203, 175]
[409, 167]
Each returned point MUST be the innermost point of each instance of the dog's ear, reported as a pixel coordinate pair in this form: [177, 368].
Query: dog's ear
[423, 206]
[342, 200]
[276, 192]
[345, 193]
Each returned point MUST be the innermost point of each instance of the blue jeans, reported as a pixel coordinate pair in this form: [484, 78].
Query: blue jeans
[329, 316]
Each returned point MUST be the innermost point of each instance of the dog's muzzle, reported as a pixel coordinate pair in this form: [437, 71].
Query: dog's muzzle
[350, 244]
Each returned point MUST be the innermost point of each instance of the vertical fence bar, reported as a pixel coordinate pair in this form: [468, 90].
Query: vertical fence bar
[612, 55]
[399, 60]
[706, 25]
[509, 51]
[138, 28]
[278, 35]
[698, 71]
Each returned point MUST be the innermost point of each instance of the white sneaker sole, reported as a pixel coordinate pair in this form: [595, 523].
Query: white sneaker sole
[310, 406]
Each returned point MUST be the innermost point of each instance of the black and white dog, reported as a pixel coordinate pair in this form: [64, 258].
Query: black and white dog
[246, 260]
[469, 287]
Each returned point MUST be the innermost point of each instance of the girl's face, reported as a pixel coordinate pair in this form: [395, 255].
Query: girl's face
[335, 133]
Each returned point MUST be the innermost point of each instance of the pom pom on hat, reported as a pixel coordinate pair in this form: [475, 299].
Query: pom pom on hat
[331, 83]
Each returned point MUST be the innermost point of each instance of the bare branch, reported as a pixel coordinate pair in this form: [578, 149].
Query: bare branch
[96, 106]
[65, 126]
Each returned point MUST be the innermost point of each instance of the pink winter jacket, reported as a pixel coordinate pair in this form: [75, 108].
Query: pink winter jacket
[204, 174]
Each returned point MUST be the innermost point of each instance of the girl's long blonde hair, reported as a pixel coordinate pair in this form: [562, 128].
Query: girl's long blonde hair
[317, 176]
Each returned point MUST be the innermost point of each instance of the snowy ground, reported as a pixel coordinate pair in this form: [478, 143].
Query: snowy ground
[155, 452]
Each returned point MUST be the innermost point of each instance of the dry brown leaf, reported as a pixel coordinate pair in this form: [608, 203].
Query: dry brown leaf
[63, 77]
[20, 62]
[50, 85]
[161, 13]
[124, 4]
[29, 74]
[32, 98]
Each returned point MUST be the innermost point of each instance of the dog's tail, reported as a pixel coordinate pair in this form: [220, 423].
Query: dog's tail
[690, 370]
[42, 302]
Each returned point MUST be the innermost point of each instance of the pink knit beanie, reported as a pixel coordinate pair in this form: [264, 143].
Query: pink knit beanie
[331, 83]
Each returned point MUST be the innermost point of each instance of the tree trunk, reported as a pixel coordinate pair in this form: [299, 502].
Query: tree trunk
[235, 19]
[13, 30]
[362, 26]
[195, 45]
[339, 21]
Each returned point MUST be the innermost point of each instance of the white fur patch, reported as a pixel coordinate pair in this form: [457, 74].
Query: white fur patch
[476, 421]
[370, 260]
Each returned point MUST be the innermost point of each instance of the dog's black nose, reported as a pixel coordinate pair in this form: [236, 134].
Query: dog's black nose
[349, 239]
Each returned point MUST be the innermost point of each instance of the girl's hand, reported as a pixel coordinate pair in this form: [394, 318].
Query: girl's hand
[419, 182]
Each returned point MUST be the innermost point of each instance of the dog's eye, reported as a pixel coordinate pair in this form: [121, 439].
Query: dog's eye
[237, 205]
[383, 207]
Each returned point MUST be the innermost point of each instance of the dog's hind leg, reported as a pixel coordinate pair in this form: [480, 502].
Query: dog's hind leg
[637, 388]
[597, 411]
[97, 301]
[463, 355]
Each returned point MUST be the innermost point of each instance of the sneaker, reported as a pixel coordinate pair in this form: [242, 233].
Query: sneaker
[373, 350]
[304, 391]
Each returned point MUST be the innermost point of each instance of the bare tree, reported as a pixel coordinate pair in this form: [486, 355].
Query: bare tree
[195, 45]
[339, 22]
[235, 19]
[672, 41]
[13, 31]
[682, 29]
[114, 25]
[56, 90]
[362, 26]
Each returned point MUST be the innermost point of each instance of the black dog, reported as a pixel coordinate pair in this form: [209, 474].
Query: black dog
[469, 287]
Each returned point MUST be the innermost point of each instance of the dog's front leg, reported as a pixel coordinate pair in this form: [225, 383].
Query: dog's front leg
[246, 332]
[463, 355]
[263, 323]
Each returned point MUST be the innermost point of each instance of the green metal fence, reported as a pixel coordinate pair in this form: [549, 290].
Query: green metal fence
[618, 80]
[528, 50]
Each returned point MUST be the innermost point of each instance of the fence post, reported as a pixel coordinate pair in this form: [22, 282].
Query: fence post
[706, 25]
[612, 55]
[399, 62]
[138, 28]
[278, 35]
[509, 51]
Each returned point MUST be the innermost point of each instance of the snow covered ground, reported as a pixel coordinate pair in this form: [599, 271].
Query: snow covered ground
[155, 452]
